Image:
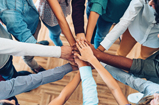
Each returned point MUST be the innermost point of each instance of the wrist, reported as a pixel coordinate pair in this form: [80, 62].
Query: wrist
[91, 59]
[81, 64]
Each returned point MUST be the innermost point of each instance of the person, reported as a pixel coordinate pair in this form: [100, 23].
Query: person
[18, 49]
[101, 14]
[49, 18]
[22, 84]
[22, 21]
[138, 24]
[148, 88]
[89, 87]
[86, 54]
[147, 68]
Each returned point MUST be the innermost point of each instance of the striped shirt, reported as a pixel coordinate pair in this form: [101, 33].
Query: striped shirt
[46, 13]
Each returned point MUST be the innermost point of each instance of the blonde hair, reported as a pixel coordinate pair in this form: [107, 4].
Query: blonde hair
[145, 100]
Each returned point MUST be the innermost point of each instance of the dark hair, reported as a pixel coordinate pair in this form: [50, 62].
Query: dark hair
[156, 8]
[5, 103]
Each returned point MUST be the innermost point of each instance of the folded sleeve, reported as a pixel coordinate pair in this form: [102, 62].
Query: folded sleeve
[89, 87]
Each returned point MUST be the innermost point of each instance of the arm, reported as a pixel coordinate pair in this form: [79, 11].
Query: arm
[67, 91]
[56, 8]
[78, 15]
[17, 26]
[144, 86]
[130, 14]
[113, 60]
[20, 49]
[25, 83]
[89, 87]
[87, 55]
[92, 21]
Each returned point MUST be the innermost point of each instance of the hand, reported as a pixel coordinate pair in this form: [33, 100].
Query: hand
[66, 53]
[80, 35]
[79, 62]
[85, 50]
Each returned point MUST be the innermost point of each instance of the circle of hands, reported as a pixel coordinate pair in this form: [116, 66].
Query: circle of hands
[79, 54]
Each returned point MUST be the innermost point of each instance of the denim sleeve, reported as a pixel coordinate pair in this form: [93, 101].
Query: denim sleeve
[25, 83]
[89, 87]
[141, 85]
[16, 25]
[146, 68]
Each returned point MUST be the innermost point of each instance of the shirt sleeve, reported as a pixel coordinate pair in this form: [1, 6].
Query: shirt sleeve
[146, 68]
[141, 85]
[99, 10]
[130, 14]
[16, 48]
[17, 26]
[25, 83]
[78, 15]
[89, 87]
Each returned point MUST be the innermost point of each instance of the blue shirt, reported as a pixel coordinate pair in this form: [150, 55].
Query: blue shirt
[25, 83]
[89, 87]
[21, 18]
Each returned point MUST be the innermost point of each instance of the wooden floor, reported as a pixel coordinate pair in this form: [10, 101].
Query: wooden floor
[45, 93]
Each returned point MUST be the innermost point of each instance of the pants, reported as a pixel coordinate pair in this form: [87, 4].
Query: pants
[29, 59]
[54, 33]
[8, 71]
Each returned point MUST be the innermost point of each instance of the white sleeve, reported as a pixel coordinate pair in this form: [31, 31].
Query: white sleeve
[15, 48]
[130, 14]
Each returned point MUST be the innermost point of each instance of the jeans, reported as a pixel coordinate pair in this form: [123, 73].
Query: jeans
[144, 86]
[54, 33]
[102, 28]
[8, 71]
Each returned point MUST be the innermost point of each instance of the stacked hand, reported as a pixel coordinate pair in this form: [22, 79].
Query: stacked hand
[85, 51]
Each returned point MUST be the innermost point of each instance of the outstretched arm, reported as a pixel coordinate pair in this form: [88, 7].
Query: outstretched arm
[67, 91]
[56, 8]
[89, 87]
[113, 60]
[92, 21]
[22, 84]
[16, 48]
[87, 55]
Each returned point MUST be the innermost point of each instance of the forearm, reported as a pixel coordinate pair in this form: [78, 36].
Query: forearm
[56, 8]
[93, 17]
[89, 86]
[78, 15]
[25, 83]
[67, 91]
[110, 81]
[16, 48]
[114, 60]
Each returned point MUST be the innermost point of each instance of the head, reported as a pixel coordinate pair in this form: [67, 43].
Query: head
[150, 100]
[155, 5]
[7, 102]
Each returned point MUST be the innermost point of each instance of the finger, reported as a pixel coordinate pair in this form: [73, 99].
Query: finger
[80, 44]
[86, 44]
[79, 48]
